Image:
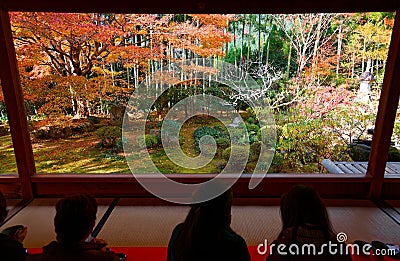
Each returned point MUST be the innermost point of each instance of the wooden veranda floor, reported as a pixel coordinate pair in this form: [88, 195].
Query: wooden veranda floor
[357, 167]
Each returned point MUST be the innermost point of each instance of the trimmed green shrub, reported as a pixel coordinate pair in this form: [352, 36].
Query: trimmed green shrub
[240, 153]
[149, 139]
[250, 120]
[394, 154]
[359, 152]
[216, 132]
[253, 138]
[251, 112]
[109, 135]
[223, 143]
[222, 131]
[252, 128]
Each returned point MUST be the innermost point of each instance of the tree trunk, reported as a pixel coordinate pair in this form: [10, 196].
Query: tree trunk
[316, 46]
[289, 60]
[352, 65]
[112, 74]
[241, 49]
[234, 42]
[259, 40]
[363, 56]
[248, 40]
[267, 55]
[339, 49]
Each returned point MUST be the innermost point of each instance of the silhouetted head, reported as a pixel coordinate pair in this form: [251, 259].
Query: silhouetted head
[214, 213]
[204, 225]
[302, 206]
[3, 207]
[75, 218]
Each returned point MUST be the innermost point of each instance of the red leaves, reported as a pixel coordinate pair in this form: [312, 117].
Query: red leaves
[68, 57]
[323, 99]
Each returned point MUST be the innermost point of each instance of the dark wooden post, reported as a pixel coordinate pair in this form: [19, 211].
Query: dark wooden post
[386, 115]
[14, 101]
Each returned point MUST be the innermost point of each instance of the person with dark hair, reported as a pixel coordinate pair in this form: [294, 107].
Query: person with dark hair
[74, 221]
[11, 238]
[206, 234]
[305, 222]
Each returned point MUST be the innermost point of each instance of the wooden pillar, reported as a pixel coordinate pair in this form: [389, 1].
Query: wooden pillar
[14, 101]
[386, 115]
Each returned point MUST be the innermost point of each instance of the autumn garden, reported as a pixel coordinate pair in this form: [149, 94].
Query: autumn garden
[321, 74]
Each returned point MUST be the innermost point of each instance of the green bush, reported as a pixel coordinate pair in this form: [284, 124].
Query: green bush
[253, 138]
[222, 131]
[240, 153]
[251, 112]
[277, 163]
[394, 154]
[149, 139]
[250, 120]
[252, 128]
[109, 135]
[208, 149]
[359, 152]
[223, 143]
[216, 132]
[226, 153]
[303, 141]
[239, 136]
[255, 149]
[267, 136]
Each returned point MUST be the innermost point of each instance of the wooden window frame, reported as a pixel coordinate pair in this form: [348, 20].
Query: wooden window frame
[28, 184]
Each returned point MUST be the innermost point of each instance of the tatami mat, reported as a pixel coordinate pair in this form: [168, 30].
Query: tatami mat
[152, 225]
[142, 225]
[130, 225]
[38, 217]
[365, 223]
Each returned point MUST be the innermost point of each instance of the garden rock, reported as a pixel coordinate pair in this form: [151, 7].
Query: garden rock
[117, 114]
[235, 123]
[82, 127]
[3, 130]
[63, 130]
[53, 132]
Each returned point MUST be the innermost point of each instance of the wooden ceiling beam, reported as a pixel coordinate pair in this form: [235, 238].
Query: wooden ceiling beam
[386, 115]
[200, 6]
[15, 105]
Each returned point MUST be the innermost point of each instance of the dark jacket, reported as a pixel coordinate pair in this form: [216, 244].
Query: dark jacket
[11, 249]
[80, 252]
[230, 247]
[303, 237]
